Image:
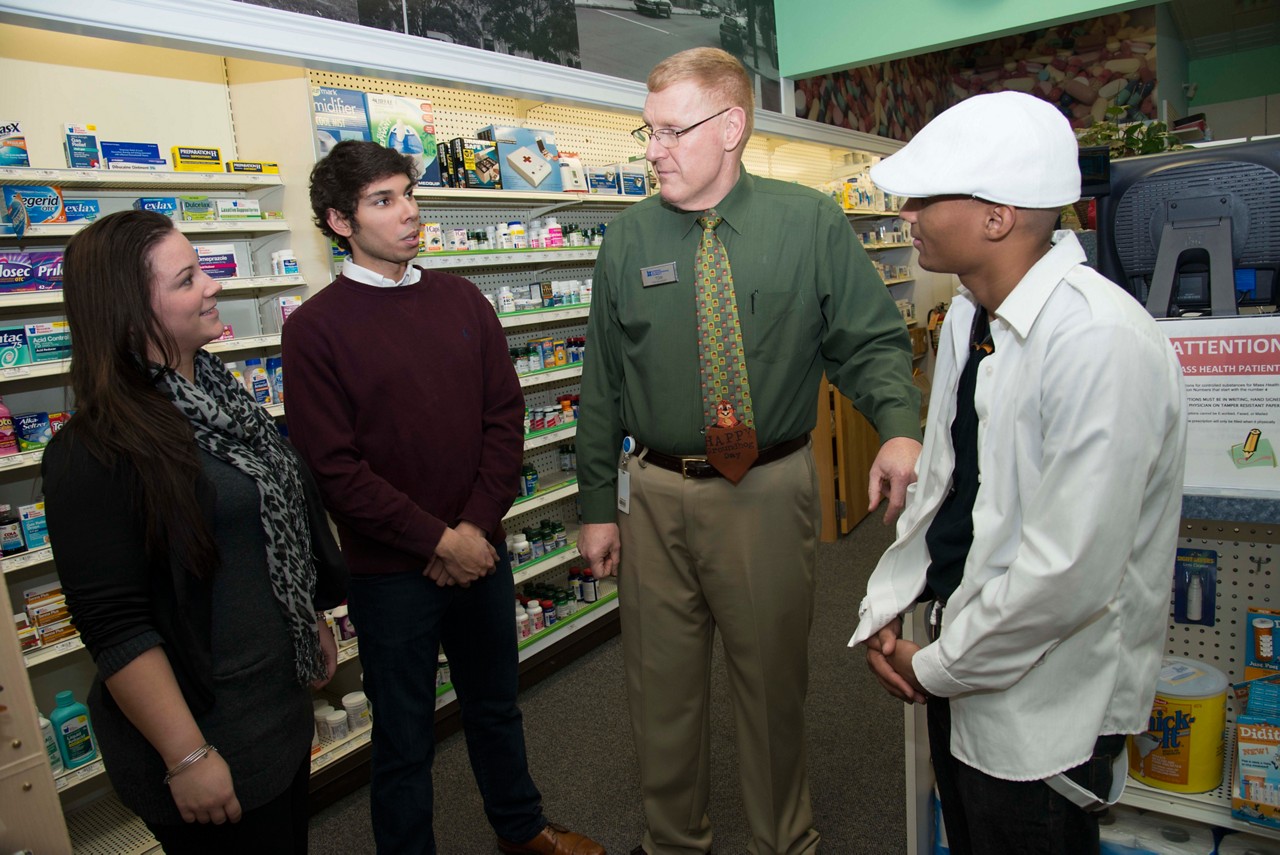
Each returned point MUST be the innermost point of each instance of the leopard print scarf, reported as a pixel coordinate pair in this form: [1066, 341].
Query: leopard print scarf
[230, 425]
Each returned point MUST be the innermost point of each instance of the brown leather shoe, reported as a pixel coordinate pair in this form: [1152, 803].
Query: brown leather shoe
[553, 840]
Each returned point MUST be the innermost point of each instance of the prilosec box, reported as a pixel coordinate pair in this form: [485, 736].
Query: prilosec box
[528, 156]
[408, 126]
[42, 203]
[30, 271]
[218, 260]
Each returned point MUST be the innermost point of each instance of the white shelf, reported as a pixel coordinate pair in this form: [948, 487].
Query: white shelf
[125, 179]
[61, 231]
[533, 569]
[41, 655]
[546, 494]
[586, 615]
[542, 438]
[24, 299]
[1212, 808]
[504, 198]
[506, 258]
[545, 316]
[245, 343]
[340, 748]
[67, 779]
[868, 212]
[877, 247]
[899, 281]
[274, 410]
[21, 460]
[38, 369]
[551, 375]
[27, 559]
[262, 283]
[236, 227]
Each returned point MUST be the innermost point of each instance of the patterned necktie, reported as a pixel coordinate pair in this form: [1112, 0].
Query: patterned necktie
[721, 357]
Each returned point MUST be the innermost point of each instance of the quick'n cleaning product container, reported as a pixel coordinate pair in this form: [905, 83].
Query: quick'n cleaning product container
[1182, 749]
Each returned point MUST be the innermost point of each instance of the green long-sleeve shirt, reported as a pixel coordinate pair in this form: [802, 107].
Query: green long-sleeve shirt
[809, 300]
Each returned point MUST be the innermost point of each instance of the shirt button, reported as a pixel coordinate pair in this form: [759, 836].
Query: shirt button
[988, 369]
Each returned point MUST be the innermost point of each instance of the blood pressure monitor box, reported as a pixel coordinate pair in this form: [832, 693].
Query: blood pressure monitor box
[527, 156]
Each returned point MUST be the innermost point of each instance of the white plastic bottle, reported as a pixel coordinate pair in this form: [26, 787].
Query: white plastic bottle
[506, 300]
[1195, 598]
[534, 610]
[50, 745]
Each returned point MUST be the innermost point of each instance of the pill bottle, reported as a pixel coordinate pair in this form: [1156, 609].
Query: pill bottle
[536, 545]
[548, 612]
[506, 300]
[590, 590]
[535, 358]
[562, 606]
[575, 583]
[356, 706]
[320, 716]
[530, 479]
[522, 624]
[534, 610]
[523, 552]
[337, 721]
[443, 675]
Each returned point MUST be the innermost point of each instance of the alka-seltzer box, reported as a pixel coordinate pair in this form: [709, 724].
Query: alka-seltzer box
[13, 347]
[197, 208]
[80, 146]
[259, 167]
[13, 145]
[1255, 790]
[528, 157]
[22, 272]
[49, 341]
[406, 125]
[167, 205]
[475, 163]
[41, 204]
[218, 260]
[188, 158]
[238, 209]
[133, 155]
[81, 210]
[32, 430]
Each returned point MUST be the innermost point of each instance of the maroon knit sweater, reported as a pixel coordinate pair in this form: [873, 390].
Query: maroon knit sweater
[405, 404]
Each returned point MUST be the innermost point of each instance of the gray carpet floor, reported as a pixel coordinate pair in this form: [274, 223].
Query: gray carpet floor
[582, 758]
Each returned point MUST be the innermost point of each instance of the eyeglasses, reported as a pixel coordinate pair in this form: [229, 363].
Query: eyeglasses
[669, 137]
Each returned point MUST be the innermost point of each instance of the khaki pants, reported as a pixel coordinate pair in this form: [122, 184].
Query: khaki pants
[698, 554]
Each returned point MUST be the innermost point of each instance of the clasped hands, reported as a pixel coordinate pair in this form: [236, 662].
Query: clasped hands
[889, 658]
[463, 555]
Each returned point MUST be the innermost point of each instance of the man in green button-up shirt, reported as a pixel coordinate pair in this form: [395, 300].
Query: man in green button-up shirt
[693, 551]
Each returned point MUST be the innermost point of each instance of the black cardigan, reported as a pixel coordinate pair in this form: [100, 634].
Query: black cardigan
[115, 593]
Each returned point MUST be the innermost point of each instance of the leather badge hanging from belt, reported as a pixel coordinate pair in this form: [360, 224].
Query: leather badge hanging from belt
[731, 436]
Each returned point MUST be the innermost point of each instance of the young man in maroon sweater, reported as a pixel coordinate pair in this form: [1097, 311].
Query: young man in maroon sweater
[404, 402]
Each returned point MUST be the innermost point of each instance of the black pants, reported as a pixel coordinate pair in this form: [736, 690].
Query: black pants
[279, 826]
[992, 816]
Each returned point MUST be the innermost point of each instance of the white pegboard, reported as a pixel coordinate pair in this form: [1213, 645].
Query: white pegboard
[107, 827]
[1248, 560]
[600, 137]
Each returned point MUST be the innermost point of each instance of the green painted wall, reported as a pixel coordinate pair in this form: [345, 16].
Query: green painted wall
[1223, 78]
[817, 36]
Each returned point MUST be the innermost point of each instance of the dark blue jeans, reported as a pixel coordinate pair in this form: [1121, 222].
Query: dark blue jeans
[992, 816]
[400, 619]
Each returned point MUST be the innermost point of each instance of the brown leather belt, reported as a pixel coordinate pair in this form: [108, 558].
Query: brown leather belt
[698, 467]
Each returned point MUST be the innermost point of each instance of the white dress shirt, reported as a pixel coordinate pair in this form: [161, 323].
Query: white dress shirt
[1055, 634]
[364, 275]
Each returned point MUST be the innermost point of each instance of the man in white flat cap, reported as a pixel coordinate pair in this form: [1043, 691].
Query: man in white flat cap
[1042, 528]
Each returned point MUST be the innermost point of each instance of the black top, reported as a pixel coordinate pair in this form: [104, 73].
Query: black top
[950, 535]
[227, 638]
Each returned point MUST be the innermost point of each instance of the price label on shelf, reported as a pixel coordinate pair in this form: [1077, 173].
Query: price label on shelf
[13, 461]
[15, 371]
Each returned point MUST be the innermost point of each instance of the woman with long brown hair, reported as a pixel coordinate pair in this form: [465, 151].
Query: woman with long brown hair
[192, 550]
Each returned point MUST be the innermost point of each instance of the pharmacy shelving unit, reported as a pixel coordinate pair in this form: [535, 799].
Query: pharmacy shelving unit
[226, 78]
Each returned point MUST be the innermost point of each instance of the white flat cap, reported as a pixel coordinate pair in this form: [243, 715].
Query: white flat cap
[1006, 147]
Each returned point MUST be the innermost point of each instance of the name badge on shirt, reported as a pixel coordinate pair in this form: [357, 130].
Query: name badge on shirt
[659, 274]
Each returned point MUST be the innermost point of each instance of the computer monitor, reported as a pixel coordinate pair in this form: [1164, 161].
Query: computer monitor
[1195, 231]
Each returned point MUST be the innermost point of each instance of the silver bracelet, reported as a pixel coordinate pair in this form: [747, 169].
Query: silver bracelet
[199, 754]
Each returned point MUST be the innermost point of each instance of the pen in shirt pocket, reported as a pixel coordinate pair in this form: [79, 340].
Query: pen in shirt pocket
[753, 300]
